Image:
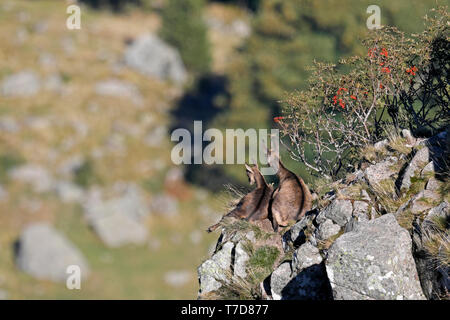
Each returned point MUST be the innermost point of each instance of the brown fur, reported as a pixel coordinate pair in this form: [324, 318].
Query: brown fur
[291, 200]
[254, 206]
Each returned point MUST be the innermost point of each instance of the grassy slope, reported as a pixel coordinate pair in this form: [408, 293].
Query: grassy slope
[128, 272]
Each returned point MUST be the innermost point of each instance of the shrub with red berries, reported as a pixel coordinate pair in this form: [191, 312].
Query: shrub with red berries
[402, 82]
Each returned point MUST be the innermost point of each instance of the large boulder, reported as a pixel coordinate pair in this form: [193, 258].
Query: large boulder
[118, 220]
[44, 253]
[153, 57]
[374, 261]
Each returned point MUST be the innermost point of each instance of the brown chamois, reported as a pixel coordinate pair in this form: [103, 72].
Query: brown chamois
[254, 206]
[291, 199]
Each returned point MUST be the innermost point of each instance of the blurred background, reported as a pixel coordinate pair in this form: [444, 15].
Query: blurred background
[86, 115]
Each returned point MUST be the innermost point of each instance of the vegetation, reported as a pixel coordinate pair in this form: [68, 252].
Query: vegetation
[184, 28]
[341, 113]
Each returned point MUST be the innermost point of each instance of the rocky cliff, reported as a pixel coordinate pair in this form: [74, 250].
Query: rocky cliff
[380, 233]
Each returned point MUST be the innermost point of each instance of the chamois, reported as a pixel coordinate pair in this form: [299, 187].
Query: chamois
[254, 206]
[291, 199]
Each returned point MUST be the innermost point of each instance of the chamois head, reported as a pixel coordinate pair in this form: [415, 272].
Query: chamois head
[251, 173]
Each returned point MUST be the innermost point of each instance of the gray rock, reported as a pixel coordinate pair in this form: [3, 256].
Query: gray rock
[22, 84]
[339, 211]
[428, 169]
[35, 175]
[380, 171]
[296, 233]
[165, 205]
[409, 137]
[374, 261]
[44, 253]
[216, 269]
[305, 256]
[361, 211]
[118, 220]
[152, 57]
[309, 284]
[423, 201]
[116, 229]
[433, 184]
[119, 88]
[381, 144]
[327, 229]
[240, 260]
[417, 163]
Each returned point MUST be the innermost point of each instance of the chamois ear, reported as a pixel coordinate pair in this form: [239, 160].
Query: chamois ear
[248, 167]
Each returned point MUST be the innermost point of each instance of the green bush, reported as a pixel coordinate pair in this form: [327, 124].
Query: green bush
[184, 28]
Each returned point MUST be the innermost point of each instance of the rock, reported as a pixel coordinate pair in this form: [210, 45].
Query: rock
[118, 220]
[69, 192]
[380, 171]
[44, 253]
[116, 229]
[434, 277]
[381, 144]
[165, 205]
[423, 201]
[131, 200]
[216, 269]
[305, 256]
[150, 56]
[120, 89]
[361, 211]
[327, 229]
[432, 185]
[35, 175]
[339, 211]
[409, 137]
[177, 278]
[417, 163]
[240, 260]
[22, 84]
[296, 232]
[374, 261]
[309, 284]
[428, 169]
